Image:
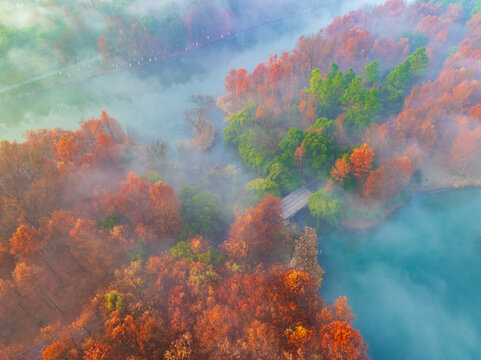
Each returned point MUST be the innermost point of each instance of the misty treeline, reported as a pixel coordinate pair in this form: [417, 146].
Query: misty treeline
[99, 263]
[45, 42]
[198, 117]
[378, 104]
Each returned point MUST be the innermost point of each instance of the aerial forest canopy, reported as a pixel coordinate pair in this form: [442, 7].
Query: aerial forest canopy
[111, 248]
[374, 114]
[155, 279]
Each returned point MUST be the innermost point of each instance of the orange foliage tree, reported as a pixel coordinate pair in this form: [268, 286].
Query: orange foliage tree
[24, 242]
[341, 342]
[176, 309]
[361, 161]
[299, 155]
[341, 169]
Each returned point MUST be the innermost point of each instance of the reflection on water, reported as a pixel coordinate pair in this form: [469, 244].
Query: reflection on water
[414, 282]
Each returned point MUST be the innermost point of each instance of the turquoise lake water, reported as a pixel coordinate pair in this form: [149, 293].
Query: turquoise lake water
[414, 282]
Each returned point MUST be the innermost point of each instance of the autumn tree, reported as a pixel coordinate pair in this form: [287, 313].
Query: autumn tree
[361, 161]
[24, 242]
[60, 349]
[192, 309]
[152, 209]
[165, 208]
[306, 252]
[374, 187]
[98, 351]
[299, 155]
[255, 232]
[310, 51]
[341, 342]
[398, 174]
[231, 83]
[341, 169]
[180, 349]
[204, 130]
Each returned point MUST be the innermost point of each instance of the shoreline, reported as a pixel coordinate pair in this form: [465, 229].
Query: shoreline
[224, 104]
[365, 224]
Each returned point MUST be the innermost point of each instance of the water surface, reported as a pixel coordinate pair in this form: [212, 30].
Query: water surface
[414, 282]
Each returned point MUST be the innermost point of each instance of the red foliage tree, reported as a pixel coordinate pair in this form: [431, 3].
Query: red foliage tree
[374, 186]
[153, 210]
[398, 174]
[355, 46]
[255, 232]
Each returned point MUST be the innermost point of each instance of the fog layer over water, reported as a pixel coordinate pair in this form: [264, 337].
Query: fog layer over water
[413, 282]
[152, 99]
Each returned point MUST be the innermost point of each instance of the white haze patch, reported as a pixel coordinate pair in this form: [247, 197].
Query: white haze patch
[21, 14]
[25, 13]
[155, 109]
